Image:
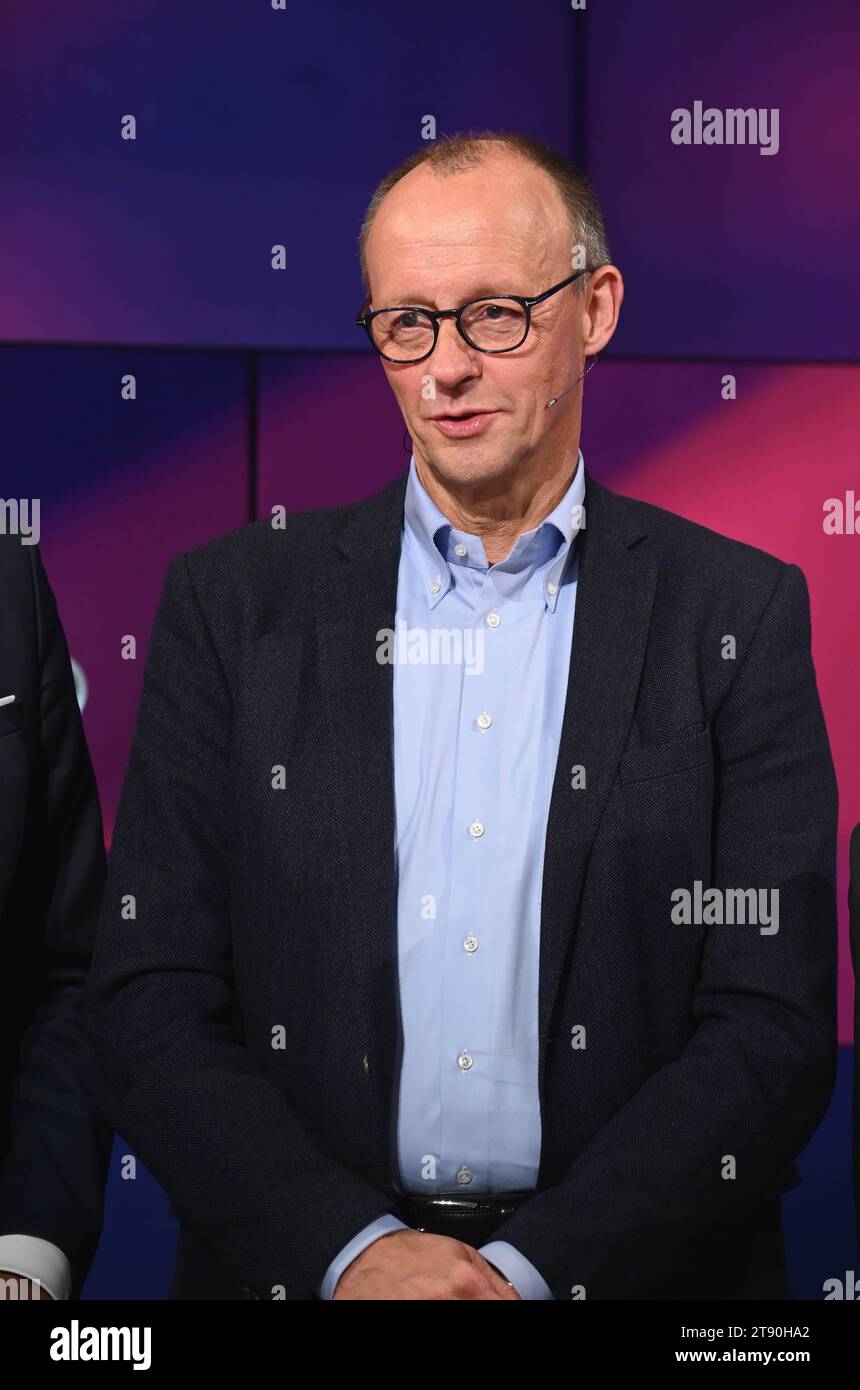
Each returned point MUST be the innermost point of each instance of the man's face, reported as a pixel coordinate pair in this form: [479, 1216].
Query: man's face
[437, 243]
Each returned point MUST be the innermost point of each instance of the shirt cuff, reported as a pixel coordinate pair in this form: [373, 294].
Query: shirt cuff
[37, 1259]
[382, 1226]
[516, 1269]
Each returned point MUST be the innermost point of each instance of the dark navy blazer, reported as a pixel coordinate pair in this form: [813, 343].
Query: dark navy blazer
[54, 1148]
[264, 912]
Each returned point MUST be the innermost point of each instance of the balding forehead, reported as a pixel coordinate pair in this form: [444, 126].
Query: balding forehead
[504, 197]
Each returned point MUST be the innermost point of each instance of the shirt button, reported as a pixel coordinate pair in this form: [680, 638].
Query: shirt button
[550, 588]
[464, 1175]
[436, 585]
[460, 549]
[470, 944]
[493, 619]
[365, 1064]
[476, 830]
[484, 721]
[464, 1061]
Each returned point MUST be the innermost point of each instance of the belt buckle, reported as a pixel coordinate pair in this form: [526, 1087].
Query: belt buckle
[458, 1204]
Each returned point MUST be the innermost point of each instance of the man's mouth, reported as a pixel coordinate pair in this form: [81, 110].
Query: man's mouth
[463, 423]
[459, 414]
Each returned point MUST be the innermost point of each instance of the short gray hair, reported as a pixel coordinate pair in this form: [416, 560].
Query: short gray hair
[454, 153]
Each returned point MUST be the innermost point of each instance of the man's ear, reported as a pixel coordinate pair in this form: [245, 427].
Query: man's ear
[606, 293]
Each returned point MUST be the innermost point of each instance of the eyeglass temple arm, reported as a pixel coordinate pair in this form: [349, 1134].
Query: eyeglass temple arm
[538, 298]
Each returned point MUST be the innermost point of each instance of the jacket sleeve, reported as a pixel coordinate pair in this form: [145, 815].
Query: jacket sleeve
[52, 1181]
[756, 1076]
[179, 1082]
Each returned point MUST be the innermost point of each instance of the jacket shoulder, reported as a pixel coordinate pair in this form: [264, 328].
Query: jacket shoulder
[16, 559]
[250, 548]
[697, 554]
[272, 566]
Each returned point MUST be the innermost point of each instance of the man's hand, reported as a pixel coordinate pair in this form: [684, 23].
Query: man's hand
[416, 1265]
[25, 1288]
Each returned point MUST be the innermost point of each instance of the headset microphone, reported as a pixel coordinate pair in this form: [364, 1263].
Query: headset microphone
[555, 399]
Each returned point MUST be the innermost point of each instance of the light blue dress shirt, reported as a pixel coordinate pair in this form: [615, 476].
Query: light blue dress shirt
[481, 656]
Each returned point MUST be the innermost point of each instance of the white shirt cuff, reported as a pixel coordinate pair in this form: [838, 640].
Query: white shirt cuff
[516, 1269]
[37, 1259]
[382, 1226]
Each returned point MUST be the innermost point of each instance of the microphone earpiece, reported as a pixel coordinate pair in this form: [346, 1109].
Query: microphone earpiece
[557, 398]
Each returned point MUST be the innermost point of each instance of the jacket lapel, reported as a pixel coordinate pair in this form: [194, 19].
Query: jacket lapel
[358, 693]
[615, 593]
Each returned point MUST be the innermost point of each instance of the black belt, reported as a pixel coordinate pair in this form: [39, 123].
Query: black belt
[471, 1219]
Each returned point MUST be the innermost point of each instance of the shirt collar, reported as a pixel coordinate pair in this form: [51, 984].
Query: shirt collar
[440, 545]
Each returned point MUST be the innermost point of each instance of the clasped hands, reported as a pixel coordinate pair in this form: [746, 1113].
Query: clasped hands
[417, 1265]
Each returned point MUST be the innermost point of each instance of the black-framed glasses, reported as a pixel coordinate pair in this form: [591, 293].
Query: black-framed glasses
[407, 333]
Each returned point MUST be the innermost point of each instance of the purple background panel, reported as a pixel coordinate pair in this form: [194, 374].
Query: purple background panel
[724, 249]
[329, 432]
[254, 128]
[123, 486]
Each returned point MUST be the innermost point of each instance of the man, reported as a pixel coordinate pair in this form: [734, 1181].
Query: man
[54, 1148]
[391, 988]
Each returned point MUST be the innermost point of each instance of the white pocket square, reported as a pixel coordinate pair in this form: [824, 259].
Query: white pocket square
[6, 699]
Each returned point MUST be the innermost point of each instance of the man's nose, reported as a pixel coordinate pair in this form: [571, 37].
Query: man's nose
[453, 358]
